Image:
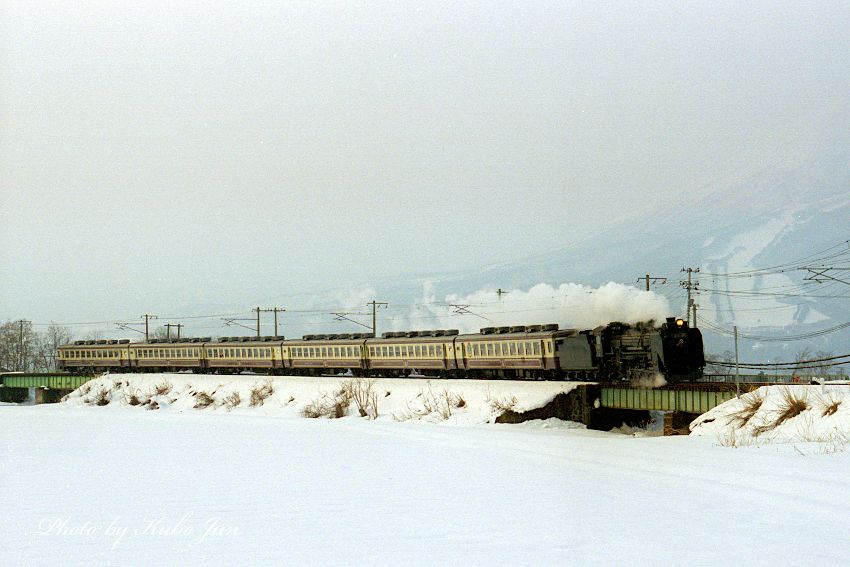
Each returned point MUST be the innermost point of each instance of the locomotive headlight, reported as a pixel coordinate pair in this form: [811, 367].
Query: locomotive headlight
[680, 322]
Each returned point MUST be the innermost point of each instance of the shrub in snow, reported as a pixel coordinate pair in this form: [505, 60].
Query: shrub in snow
[503, 405]
[363, 393]
[133, 398]
[162, 388]
[203, 400]
[260, 392]
[430, 403]
[331, 407]
[101, 398]
[233, 400]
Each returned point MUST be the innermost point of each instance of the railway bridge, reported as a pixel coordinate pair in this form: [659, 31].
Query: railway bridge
[48, 387]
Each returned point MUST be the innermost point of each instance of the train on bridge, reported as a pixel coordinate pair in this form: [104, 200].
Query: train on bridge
[616, 351]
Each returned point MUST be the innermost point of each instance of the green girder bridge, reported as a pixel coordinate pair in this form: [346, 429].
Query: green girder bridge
[49, 380]
[689, 400]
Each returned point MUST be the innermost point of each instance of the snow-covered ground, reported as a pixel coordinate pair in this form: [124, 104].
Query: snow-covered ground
[401, 399]
[803, 418]
[124, 485]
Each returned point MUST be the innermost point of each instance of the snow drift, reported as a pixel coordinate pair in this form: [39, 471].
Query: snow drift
[399, 399]
[782, 414]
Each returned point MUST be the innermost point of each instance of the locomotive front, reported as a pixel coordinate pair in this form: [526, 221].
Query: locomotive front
[683, 356]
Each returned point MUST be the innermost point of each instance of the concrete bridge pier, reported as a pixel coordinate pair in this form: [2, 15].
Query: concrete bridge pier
[50, 395]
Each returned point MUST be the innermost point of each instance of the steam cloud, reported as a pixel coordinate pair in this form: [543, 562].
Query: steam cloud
[570, 305]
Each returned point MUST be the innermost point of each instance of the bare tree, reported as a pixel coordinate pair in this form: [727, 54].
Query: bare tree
[18, 345]
[52, 338]
[728, 357]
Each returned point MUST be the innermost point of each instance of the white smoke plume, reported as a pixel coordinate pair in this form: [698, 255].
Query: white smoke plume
[570, 305]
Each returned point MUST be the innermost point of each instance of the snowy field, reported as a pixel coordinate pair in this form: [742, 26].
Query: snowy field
[124, 485]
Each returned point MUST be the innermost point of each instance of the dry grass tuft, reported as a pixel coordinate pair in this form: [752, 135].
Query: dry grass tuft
[133, 398]
[503, 405]
[162, 388]
[791, 406]
[233, 400]
[429, 402]
[829, 404]
[260, 393]
[103, 397]
[331, 407]
[203, 400]
[752, 404]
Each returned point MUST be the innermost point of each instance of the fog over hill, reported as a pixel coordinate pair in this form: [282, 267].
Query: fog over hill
[779, 215]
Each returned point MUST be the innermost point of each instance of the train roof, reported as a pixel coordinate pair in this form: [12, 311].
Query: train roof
[519, 335]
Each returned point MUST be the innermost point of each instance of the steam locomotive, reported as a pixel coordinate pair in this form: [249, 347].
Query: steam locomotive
[616, 351]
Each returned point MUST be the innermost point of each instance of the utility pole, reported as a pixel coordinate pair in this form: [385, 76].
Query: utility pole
[500, 292]
[737, 386]
[695, 305]
[274, 310]
[21, 357]
[375, 305]
[691, 286]
[257, 309]
[168, 329]
[148, 318]
[652, 279]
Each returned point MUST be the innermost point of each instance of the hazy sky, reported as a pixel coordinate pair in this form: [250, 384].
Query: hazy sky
[154, 155]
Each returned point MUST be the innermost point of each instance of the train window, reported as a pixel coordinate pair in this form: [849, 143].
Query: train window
[513, 348]
[324, 352]
[548, 347]
[417, 351]
[396, 350]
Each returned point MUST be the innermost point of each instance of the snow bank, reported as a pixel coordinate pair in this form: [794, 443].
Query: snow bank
[783, 414]
[400, 399]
